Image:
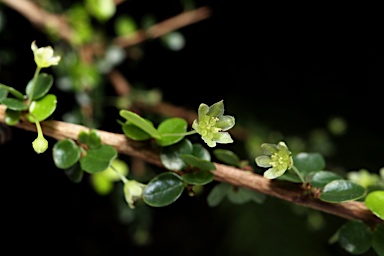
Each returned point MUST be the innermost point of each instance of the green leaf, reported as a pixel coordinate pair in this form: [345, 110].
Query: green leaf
[14, 104]
[74, 173]
[140, 122]
[290, 176]
[238, 195]
[201, 164]
[42, 108]
[200, 152]
[12, 117]
[309, 162]
[134, 133]
[12, 90]
[198, 178]
[375, 202]
[338, 191]
[65, 153]
[163, 190]
[321, 178]
[3, 93]
[170, 156]
[377, 239]
[355, 237]
[91, 138]
[171, 126]
[43, 85]
[98, 159]
[217, 194]
[227, 157]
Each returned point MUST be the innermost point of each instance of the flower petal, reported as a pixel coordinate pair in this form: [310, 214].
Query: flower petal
[273, 173]
[269, 149]
[222, 137]
[202, 111]
[225, 122]
[263, 161]
[216, 109]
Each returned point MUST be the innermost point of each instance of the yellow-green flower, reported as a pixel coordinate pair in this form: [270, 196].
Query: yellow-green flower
[133, 190]
[212, 124]
[40, 144]
[278, 157]
[44, 56]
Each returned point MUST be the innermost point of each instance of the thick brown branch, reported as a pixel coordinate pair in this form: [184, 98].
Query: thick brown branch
[223, 173]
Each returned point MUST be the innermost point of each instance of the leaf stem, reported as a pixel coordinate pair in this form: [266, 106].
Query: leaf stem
[122, 177]
[179, 134]
[298, 173]
[34, 81]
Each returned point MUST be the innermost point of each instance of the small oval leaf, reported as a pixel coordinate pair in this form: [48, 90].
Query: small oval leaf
[163, 190]
[309, 162]
[65, 153]
[355, 237]
[12, 90]
[217, 194]
[377, 239]
[169, 130]
[43, 85]
[91, 138]
[338, 191]
[321, 178]
[227, 157]
[134, 133]
[375, 202]
[12, 117]
[42, 108]
[198, 178]
[200, 152]
[74, 173]
[14, 104]
[98, 159]
[140, 122]
[201, 164]
[170, 156]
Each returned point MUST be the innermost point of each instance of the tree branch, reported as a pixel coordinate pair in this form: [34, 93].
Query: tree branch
[284, 190]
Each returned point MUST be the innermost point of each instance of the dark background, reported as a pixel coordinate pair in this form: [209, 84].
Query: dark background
[288, 67]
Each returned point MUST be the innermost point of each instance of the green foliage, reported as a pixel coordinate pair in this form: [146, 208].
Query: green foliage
[65, 153]
[355, 237]
[91, 138]
[375, 202]
[140, 122]
[170, 156]
[39, 87]
[98, 159]
[338, 191]
[237, 195]
[377, 239]
[227, 157]
[43, 108]
[170, 129]
[163, 190]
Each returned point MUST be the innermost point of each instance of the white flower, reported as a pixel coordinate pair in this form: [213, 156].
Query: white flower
[44, 56]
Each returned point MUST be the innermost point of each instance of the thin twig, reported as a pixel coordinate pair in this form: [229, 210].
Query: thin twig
[284, 190]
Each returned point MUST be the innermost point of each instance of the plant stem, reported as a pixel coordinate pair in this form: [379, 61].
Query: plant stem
[179, 134]
[298, 173]
[37, 71]
[122, 177]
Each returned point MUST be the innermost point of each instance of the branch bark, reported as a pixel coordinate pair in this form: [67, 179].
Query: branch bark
[284, 190]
